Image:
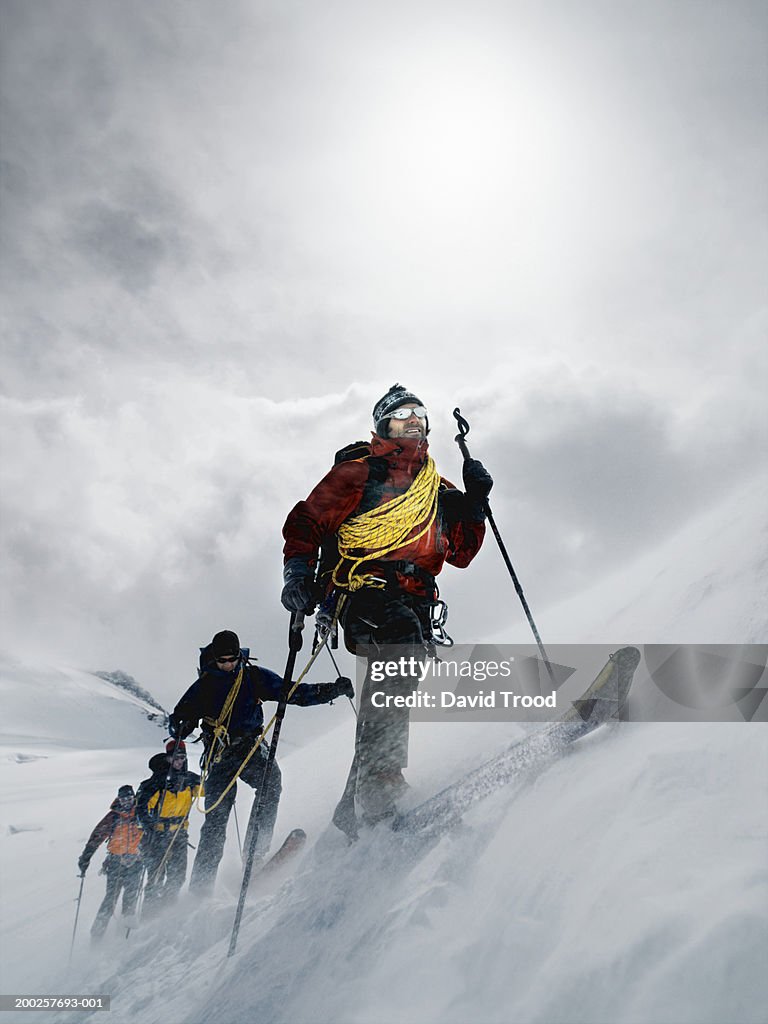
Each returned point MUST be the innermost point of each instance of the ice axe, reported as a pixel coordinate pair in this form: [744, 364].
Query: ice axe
[461, 442]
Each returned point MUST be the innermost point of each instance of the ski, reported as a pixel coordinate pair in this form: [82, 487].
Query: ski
[292, 844]
[600, 701]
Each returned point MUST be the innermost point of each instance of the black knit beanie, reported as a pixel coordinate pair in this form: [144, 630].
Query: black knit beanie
[224, 643]
[394, 398]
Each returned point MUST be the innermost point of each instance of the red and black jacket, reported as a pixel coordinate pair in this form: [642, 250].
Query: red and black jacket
[356, 486]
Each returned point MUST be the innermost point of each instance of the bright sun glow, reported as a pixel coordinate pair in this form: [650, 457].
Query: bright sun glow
[463, 131]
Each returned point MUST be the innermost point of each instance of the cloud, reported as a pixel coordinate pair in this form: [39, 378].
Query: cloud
[225, 237]
[160, 516]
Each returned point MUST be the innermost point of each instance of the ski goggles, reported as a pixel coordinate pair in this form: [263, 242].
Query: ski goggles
[406, 413]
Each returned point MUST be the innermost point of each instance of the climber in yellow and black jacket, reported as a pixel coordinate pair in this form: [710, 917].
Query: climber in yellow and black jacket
[164, 802]
[123, 863]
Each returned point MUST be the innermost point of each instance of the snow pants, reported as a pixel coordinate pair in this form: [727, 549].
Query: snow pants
[123, 873]
[214, 831]
[164, 877]
[387, 623]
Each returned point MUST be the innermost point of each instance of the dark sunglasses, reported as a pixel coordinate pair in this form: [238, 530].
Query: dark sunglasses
[228, 661]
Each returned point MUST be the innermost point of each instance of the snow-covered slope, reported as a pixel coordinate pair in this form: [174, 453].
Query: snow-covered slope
[627, 884]
[66, 707]
[706, 584]
[68, 739]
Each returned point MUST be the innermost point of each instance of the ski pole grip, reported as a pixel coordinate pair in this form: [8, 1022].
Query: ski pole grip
[463, 431]
[295, 637]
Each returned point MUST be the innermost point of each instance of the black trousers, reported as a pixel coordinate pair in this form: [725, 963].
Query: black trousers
[214, 831]
[383, 624]
[165, 875]
[123, 874]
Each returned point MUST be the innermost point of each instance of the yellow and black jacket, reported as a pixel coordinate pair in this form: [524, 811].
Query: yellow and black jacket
[164, 800]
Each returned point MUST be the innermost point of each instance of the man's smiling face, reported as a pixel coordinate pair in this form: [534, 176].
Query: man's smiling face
[410, 426]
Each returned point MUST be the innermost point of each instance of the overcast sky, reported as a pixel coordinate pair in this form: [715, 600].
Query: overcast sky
[228, 228]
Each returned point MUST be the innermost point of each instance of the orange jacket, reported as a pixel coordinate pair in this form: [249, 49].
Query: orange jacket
[121, 830]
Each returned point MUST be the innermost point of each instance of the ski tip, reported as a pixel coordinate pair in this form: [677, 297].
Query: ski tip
[292, 843]
[627, 658]
[608, 693]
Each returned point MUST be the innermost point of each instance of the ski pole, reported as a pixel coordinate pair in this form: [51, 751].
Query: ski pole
[156, 874]
[252, 832]
[77, 915]
[461, 442]
[237, 829]
[140, 895]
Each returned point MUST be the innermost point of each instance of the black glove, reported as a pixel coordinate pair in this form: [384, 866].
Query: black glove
[178, 728]
[342, 688]
[83, 863]
[477, 484]
[299, 593]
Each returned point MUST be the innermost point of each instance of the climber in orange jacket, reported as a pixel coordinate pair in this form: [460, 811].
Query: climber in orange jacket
[122, 866]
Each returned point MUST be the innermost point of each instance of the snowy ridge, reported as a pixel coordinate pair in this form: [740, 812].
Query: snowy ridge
[126, 682]
[71, 708]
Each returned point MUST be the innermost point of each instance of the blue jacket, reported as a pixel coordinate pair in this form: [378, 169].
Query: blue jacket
[206, 696]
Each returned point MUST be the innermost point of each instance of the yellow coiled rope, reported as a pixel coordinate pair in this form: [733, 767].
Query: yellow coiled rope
[377, 533]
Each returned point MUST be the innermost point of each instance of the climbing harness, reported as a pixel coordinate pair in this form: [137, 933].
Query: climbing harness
[220, 726]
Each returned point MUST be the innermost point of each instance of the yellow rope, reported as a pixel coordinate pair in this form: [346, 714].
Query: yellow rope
[220, 726]
[384, 529]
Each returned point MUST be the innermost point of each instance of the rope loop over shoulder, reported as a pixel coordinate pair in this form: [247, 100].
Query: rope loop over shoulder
[374, 534]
